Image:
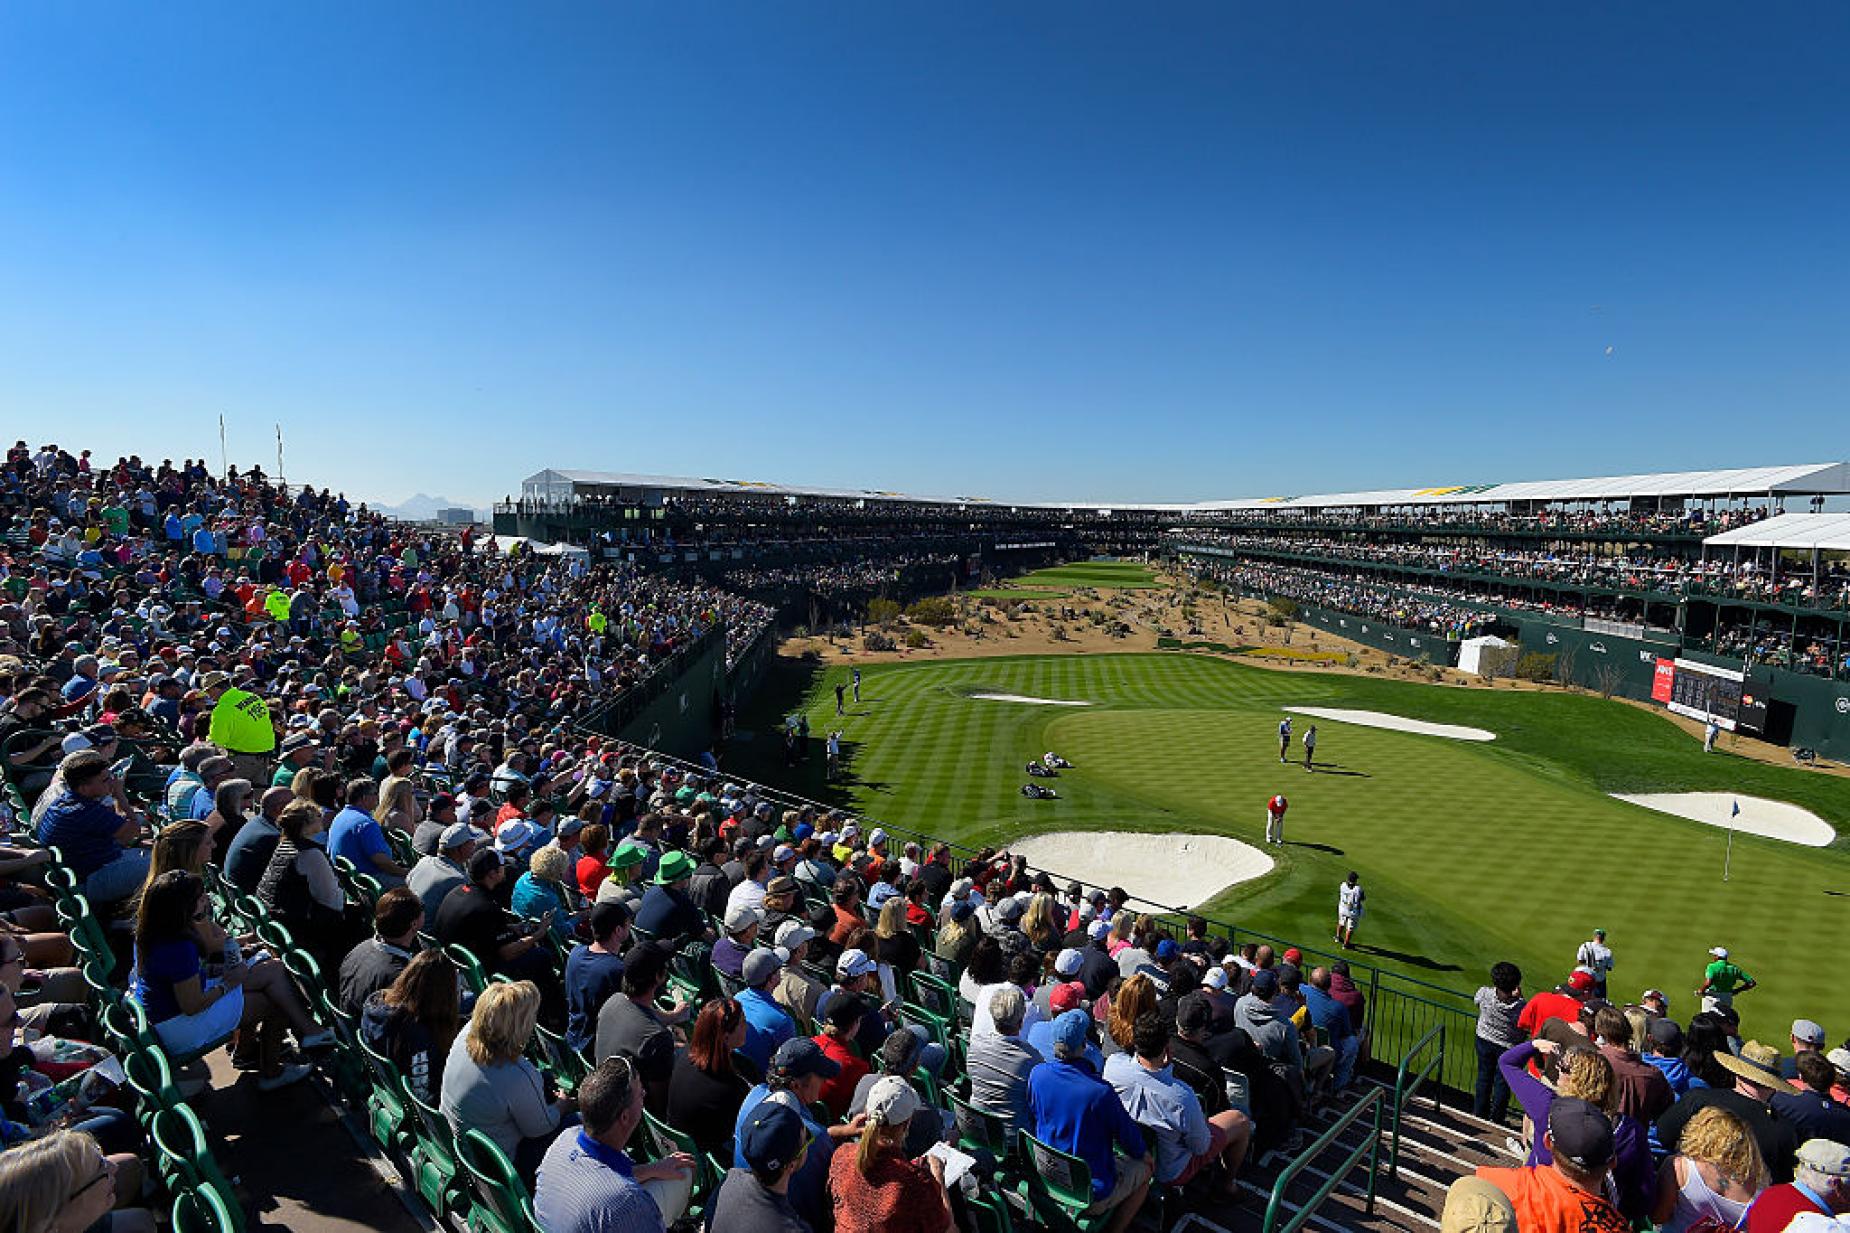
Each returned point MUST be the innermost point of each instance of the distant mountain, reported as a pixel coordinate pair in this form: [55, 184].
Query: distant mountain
[423, 507]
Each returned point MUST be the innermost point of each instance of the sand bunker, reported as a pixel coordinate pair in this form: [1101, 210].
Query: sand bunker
[1155, 870]
[1396, 723]
[1026, 698]
[1758, 816]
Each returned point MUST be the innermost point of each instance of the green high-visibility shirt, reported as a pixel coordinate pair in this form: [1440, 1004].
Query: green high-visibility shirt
[241, 723]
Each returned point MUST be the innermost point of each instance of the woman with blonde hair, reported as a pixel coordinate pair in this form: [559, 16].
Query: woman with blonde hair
[63, 1183]
[489, 1084]
[1135, 996]
[1715, 1174]
[895, 947]
[1585, 1073]
[875, 1189]
[1039, 925]
[398, 805]
[1123, 927]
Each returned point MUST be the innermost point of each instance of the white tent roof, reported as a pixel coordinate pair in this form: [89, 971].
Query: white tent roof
[1830, 532]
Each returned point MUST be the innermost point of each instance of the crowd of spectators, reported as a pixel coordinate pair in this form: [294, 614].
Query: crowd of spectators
[1399, 606]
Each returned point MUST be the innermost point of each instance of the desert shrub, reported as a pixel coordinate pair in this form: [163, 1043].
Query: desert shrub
[915, 638]
[1285, 609]
[1535, 666]
[934, 610]
[882, 611]
[875, 640]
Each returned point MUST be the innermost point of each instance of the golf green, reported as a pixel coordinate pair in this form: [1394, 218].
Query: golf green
[1123, 575]
[1470, 852]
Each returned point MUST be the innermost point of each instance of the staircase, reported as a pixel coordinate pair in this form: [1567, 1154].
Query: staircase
[1437, 1146]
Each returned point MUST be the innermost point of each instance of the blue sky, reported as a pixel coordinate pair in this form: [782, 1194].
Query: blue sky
[1040, 250]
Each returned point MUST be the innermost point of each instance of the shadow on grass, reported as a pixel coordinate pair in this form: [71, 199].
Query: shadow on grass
[1337, 768]
[1411, 960]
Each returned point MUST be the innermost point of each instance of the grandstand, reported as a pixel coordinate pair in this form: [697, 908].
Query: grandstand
[201, 672]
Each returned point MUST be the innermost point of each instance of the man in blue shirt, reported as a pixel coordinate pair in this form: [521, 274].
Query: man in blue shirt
[214, 771]
[588, 1184]
[355, 835]
[1187, 1140]
[1076, 1111]
[594, 973]
[99, 843]
[767, 1025]
[798, 1070]
[1331, 1018]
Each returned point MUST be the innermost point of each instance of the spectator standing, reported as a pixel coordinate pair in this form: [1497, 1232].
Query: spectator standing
[1756, 1078]
[1820, 1184]
[1810, 1109]
[1566, 1194]
[1595, 959]
[1714, 1175]
[1499, 1006]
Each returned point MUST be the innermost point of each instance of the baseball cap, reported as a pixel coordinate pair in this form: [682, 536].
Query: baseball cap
[1720, 952]
[773, 1137]
[1265, 983]
[1827, 1156]
[891, 1101]
[1166, 949]
[1580, 1133]
[962, 887]
[800, 1056]
[962, 910]
[783, 852]
[1667, 1036]
[1473, 1205]
[1806, 1032]
[1580, 982]
[1215, 979]
[1293, 955]
[1069, 1030]
[1067, 962]
[1839, 1058]
[762, 964]
[742, 916]
[570, 826]
[781, 885]
[794, 933]
[442, 801]
[456, 834]
[1009, 909]
[1098, 929]
[854, 963]
[1069, 996]
[878, 837]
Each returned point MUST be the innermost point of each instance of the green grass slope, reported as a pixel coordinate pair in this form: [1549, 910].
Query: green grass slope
[1471, 853]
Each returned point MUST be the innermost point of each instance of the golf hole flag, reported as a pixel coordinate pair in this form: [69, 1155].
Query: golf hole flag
[1736, 811]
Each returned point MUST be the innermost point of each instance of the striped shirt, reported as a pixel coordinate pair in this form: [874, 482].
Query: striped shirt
[586, 1187]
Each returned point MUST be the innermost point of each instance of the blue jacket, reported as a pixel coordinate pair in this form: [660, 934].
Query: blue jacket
[1079, 1113]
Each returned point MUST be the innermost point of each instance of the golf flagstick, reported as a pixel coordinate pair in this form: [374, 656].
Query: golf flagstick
[1729, 858]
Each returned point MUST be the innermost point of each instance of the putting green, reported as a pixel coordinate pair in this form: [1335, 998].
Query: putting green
[1470, 853]
[1123, 575]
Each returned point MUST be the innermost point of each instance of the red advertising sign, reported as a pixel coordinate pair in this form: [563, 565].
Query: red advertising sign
[1662, 680]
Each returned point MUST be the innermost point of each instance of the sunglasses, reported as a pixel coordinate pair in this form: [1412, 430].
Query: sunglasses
[106, 1171]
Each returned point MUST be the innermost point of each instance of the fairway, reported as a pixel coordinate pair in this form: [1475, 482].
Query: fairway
[1470, 852]
[1120, 575]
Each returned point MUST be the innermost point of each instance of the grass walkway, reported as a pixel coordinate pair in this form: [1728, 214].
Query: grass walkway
[1470, 852]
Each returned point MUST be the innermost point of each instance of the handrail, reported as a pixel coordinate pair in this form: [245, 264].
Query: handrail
[1371, 1147]
[1404, 1091]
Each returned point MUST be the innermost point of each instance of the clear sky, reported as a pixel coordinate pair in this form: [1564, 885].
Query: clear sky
[1144, 252]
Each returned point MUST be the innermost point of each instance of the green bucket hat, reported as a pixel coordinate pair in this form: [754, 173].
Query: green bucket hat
[627, 854]
[674, 867]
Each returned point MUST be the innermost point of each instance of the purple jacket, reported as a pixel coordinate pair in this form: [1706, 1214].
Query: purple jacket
[1633, 1182]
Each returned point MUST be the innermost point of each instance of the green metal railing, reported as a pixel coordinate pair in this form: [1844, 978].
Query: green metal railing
[1370, 1147]
[1407, 1083]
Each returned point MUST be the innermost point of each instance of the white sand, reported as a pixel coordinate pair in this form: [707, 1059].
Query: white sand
[1028, 699]
[1759, 816]
[1396, 723]
[1156, 870]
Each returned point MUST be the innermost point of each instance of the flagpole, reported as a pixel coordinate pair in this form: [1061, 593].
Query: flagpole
[1728, 859]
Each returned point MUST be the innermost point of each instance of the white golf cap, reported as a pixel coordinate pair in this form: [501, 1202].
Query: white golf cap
[1720, 952]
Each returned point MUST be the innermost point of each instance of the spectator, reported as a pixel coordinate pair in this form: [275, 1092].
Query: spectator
[229, 801]
[632, 1025]
[489, 1084]
[413, 1022]
[1810, 1109]
[767, 1025]
[300, 888]
[1565, 1195]
[1663, 1049]
[1585, 1074]
[1499, 1006]
[1820, 1184]
[796, 990]
[1076, 1111]
[1331, 1019]
[875, 1189]
[357, 836]
[190, 1008]
[797, 1072]
[594, 972]
[707, 1091]
[1714, 1175]
[1806, 1037]
[841, 1023]
[959, 934]
[540, 894]
[435, 876]
[1187, 1140]
[1756, 1078]
[741, 925]
[667, 914]
[64, 1182]
[471, 918]
[587, 1184]
[85, 821]
[1642, 1090]
[902, 1054]
[251, 848]
[1000, 1062]
[375, 963]
[755, 1198]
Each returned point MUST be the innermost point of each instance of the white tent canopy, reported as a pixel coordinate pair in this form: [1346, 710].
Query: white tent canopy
[1820, 532]
[1487, 652]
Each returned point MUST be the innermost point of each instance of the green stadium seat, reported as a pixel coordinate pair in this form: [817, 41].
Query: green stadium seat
[202, 1211]
[185, 1159]
[435, 1173]
[502, 1204]
[1058, 1187]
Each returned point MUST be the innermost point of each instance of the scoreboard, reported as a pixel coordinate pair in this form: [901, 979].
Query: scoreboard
[1704, 691]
